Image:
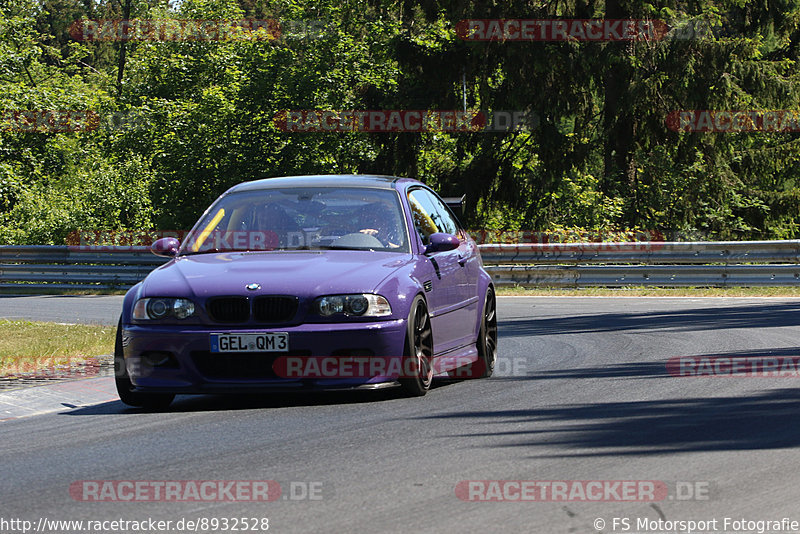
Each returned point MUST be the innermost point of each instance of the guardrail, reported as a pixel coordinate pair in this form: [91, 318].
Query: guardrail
[646, 263]
[63, 267]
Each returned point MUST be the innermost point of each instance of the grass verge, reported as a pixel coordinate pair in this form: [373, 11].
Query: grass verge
[34, 347]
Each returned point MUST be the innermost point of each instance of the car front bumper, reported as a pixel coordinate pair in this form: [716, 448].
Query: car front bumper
[192, 368]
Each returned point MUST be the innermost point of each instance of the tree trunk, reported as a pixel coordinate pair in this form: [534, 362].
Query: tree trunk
[619, 176]
[126, 15]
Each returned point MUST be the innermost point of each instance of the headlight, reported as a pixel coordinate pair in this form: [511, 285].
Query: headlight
[159, 308]
[363, 305]
[182, 308]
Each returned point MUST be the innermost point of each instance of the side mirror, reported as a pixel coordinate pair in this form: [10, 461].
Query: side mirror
[441, 242]
[166, 246]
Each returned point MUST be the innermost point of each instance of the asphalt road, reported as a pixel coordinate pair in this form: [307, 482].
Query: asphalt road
[582, 393]
[91, 309]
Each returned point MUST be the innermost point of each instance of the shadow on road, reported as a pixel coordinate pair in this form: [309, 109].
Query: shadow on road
[713, 318]
[764, 420]
[651, 369]
[213, 403]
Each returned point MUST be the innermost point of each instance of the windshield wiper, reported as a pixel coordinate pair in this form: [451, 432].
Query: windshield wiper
[224, 251]
[312, 247]
[340, 247]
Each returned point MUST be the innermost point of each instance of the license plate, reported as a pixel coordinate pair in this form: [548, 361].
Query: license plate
[264, 342]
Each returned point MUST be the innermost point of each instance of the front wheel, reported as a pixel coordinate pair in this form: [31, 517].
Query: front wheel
[125, 388]
[418, 357]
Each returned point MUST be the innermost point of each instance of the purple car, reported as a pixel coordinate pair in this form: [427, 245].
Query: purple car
[310, 282]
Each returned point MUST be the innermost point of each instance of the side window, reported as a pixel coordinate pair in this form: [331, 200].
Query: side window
[448, 223]
[430, 214]
[424, 214]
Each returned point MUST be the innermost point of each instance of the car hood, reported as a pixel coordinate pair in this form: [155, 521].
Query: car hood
[306, 273]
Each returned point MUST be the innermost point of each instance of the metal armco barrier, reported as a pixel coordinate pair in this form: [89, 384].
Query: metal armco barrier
[645, 263]
[654, 263]
[62, 267]
[647, 252]
[645, 275]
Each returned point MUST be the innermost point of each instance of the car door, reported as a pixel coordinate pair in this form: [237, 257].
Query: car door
[469, 259]
[447, 298]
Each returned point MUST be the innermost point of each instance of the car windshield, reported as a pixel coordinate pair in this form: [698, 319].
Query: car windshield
[301, 219]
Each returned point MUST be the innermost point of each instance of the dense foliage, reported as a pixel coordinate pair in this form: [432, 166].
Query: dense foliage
[179, 122]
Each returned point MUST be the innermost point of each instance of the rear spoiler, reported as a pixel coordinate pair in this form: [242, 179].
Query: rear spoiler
[455, 203]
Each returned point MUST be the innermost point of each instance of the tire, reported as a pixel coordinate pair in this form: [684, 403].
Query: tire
[486, 344]
[418, 354]
[487, 337]
[125, 389]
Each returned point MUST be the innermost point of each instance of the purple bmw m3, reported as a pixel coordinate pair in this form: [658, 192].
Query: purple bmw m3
[310, 282]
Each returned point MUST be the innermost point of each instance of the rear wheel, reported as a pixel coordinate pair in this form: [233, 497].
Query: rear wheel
[486, 344]
[487, 337]
[125, 389]
[418, 356]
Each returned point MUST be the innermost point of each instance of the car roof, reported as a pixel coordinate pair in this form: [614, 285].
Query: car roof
[324, 180]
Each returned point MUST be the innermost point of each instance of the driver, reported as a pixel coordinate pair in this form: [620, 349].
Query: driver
[378, 221]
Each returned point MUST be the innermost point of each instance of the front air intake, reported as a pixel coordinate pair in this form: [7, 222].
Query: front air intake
[229, 309]
[274, 308]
